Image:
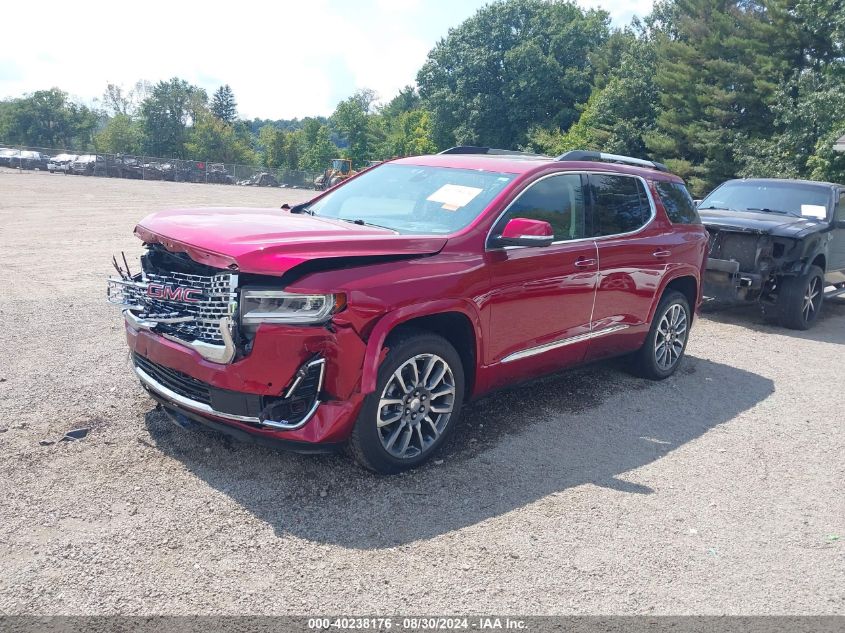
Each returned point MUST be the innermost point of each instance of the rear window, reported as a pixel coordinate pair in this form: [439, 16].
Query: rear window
[678, 203]
[620, 204]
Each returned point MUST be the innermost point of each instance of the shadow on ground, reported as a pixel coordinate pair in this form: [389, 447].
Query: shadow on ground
[828, 328]
[588, 426]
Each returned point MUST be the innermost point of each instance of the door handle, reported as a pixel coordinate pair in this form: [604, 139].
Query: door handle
[585, 263]
[662, 254]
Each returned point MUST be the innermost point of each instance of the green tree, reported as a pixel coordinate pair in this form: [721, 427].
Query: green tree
[118, 100]
[717, 67]
[121, 135]
[291, 150]
[166, 113]
[278, 147]
[410, 134]
[214, 140]
[805, 118]
[617, 116]
[318, 148]
[352, 120]
[515, 65]
[223, 104]
[47, 118]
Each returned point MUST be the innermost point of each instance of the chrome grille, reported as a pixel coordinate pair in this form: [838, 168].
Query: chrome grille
[201, 318]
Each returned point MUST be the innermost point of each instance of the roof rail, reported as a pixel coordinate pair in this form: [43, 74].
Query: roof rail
[490, 151]
[580, 154]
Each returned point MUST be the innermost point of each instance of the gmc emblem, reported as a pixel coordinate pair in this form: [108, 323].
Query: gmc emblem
[174, 293]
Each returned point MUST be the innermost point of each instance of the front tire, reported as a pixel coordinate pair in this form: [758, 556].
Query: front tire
[415, 407]
[664, 347]
[800, 299]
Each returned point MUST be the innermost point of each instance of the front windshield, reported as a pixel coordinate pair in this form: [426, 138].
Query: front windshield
[413, 199]
[774, 197]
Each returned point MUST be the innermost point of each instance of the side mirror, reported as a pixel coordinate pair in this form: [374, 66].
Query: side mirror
[525, 232]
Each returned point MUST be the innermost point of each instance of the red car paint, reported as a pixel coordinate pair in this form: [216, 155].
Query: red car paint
[510, 300]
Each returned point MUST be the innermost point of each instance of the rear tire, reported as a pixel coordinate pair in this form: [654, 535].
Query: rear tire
[664, 347]
[800, 299]
[415, 407]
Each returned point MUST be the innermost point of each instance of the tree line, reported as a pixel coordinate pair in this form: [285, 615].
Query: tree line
[714, 88]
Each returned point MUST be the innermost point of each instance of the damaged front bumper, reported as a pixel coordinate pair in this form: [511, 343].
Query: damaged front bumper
[723, 281]
[293, 386]
[288, 413]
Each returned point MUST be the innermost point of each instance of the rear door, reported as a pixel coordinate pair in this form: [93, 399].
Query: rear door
[634, 248]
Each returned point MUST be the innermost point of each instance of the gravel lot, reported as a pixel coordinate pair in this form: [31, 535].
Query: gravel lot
[590, 492]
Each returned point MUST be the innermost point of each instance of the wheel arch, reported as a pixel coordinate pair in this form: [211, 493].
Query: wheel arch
[456, 321]
[684, 281]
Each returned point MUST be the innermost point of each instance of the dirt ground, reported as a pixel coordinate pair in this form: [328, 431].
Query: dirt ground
[718, 491]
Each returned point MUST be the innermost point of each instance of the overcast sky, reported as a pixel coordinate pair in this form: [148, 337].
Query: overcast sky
[283, 60]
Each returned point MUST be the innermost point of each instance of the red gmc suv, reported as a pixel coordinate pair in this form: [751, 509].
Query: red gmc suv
[369, 315]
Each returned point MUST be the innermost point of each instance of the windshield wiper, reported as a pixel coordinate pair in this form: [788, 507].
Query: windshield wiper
[715, 208]
[767, 210]
[361, 222]
[299, 208]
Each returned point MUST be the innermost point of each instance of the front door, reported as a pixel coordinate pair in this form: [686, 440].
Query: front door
[836, 251]
[541, 298]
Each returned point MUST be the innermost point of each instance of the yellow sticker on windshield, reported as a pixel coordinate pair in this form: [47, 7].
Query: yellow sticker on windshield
[453, 197]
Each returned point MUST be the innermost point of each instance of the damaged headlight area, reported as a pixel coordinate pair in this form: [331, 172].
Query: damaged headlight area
[259, 306]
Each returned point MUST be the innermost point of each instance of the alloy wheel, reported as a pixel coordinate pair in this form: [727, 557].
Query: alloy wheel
[812, 298]
[416, 405]
[671, 337]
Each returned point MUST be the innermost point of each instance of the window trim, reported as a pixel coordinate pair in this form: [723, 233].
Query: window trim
[839, 206]
[588, 204]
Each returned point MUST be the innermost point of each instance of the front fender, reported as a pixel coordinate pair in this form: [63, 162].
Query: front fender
[375, 352]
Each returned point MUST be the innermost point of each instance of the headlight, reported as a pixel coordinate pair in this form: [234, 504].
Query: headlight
[276, 306]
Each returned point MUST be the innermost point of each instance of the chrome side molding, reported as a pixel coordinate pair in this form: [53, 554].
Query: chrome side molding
[547, 347]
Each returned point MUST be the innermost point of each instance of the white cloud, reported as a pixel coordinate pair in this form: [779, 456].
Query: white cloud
[282, 59]
[621, 11]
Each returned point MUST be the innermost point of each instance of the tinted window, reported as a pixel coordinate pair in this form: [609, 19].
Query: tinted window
[558, 200]
[620, 204]
[839, 216]
[678, 203]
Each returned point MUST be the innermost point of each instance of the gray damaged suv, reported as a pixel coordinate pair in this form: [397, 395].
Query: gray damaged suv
[781, 242]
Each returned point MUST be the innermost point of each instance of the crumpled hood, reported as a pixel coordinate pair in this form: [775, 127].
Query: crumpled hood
[272, 241]
[760, 222]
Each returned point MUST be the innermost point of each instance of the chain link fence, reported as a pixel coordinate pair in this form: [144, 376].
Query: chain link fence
[27, 159]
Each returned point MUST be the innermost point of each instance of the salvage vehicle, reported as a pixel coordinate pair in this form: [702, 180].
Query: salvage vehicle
[367, 316]
[61, 163]
[6, 155]
[86, 165]
[217, 174]
[27, 159]
[262, 179]
[780, 242]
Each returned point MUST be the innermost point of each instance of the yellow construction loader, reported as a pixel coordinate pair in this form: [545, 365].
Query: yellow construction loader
[339, 170]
